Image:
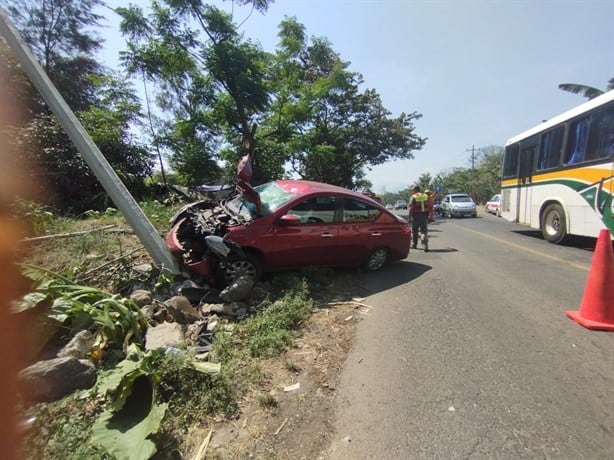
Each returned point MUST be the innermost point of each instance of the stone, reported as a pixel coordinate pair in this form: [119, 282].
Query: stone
[164, 335]
[141, 297]
[234, 309]
[143, 269]
[79, 346]
[50, 380]
[239, 289]
[182, 311]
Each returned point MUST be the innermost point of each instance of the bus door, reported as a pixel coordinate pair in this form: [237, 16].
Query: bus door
[525, 178]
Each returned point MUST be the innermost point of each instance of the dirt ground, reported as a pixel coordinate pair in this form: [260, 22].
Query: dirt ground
[300, 424]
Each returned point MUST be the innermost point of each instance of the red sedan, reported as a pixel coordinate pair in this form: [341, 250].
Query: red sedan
[287, 224]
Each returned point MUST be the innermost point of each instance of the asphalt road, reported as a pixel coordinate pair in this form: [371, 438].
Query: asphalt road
[467, 353]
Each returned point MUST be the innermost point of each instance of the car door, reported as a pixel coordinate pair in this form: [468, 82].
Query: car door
[312, 240]
[445, 204]
[361, 231]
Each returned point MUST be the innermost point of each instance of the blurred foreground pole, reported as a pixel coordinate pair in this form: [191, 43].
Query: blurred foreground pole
[116, 189]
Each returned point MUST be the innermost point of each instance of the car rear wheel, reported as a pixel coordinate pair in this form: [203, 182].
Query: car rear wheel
[237, 267]
[554, 226]
[376, 260]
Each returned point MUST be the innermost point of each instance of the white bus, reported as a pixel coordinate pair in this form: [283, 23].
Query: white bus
[558, 176]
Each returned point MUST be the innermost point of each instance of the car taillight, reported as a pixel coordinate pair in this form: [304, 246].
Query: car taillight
[406, 230]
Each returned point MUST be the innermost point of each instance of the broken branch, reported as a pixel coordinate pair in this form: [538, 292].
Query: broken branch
[67, 235]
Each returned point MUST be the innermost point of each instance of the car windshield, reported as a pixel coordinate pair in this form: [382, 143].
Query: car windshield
[461, 199]
[272, 196]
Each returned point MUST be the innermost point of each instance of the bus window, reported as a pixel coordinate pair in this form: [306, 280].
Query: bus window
[510, 164]
[576, 141]
[601, 136]
[551, 148]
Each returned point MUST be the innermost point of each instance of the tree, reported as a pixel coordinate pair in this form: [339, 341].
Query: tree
[482, 181]
[331, 130]
[59, 33]
[213, 87]
[587, 91]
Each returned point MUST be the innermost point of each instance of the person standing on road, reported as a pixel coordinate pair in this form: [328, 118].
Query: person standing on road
[418, 215]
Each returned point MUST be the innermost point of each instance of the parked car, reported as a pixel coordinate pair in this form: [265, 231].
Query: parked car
[493, 206]
[400, 204]
[458, 205]
[389, 206]
[287, 224]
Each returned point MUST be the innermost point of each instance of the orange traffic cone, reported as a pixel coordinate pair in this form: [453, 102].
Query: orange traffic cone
[597, 307]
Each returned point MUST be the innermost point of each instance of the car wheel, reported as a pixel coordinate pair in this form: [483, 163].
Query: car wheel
[498, 213]
[236, 267]
[554, 227]
[376, 260]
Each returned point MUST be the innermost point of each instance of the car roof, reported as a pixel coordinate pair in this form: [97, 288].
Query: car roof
[305, 186]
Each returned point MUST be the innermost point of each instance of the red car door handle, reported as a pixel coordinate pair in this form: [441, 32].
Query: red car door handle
[326, 235]
[376, 234]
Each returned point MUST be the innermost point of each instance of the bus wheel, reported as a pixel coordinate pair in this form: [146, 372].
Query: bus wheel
[554, 227]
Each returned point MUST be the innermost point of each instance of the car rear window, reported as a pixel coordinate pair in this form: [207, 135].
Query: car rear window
[461, 198]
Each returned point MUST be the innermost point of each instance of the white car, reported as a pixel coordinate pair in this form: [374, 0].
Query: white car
[458, 205]
[493, 206]
[400, 204]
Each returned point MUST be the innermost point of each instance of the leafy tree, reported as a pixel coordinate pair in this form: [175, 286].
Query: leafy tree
[330, 129]
[213, 87]
[59, 32]
[589, 92]
[482, 181]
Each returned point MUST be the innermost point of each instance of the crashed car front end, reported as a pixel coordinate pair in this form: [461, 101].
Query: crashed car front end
[191, 225]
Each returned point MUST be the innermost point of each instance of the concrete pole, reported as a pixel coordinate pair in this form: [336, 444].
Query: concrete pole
[147, 234]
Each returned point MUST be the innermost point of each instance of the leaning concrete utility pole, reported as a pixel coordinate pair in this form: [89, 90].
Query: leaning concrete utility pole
[153, 242]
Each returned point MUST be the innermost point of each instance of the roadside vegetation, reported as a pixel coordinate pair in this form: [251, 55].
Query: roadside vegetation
[168, 391]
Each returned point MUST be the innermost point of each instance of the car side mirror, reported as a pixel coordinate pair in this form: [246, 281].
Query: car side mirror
[290, 219]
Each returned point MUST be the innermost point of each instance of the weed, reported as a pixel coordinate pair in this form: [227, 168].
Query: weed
[208, 393]
[61, 430]
[39, 216]
[292, 366]
[267, 401]
[269, 331]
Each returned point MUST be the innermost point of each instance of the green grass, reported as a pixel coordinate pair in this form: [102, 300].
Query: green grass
[105, 260]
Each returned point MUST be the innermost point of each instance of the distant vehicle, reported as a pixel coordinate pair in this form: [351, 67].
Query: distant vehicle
[493, 206]
[458, 205]
[389, 206]
[558, 176]
[400, 204]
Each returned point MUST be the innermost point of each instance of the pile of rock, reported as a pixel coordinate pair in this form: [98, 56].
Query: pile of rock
[188, 319]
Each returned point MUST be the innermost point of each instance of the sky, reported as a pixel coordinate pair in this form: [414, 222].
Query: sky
[478, 71]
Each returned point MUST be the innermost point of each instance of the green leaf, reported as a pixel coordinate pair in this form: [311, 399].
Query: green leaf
[111, 382]
[125, 437]
[206, 367]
